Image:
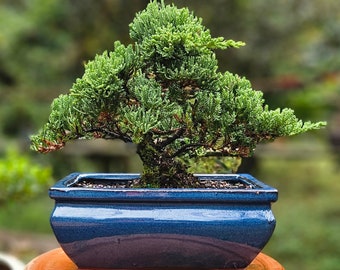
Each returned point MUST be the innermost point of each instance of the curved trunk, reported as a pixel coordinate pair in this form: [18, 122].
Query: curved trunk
[162, 171]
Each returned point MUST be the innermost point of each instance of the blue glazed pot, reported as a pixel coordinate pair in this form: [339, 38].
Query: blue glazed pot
[122, 228]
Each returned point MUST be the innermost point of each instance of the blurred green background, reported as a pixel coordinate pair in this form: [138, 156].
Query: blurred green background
[292, 54]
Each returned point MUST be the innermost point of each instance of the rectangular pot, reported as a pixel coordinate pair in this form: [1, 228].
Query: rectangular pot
[125, 228]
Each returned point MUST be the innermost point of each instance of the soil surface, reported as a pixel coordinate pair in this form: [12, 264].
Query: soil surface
[209, 184]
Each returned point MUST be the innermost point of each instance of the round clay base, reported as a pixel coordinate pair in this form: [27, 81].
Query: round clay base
[56, 259]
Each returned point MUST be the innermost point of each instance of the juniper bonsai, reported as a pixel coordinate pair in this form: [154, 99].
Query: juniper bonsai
[165, 93]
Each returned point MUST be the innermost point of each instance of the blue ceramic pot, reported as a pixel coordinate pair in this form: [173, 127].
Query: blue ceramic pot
[124, 228]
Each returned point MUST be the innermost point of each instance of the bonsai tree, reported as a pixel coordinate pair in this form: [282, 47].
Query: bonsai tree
[165, 93]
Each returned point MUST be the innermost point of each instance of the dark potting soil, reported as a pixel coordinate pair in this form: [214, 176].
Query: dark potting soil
[208, 184]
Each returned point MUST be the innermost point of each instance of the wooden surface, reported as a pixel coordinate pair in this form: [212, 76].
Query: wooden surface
[56, 259]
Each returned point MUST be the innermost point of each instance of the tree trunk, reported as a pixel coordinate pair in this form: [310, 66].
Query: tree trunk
[160, 170]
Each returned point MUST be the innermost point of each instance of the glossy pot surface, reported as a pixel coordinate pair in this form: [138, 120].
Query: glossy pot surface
[124, 228]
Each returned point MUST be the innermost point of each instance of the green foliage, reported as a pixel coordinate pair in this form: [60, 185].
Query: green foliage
[21, 178]
[165, 94]
[28, 42]
[214, 164]
[168, 32]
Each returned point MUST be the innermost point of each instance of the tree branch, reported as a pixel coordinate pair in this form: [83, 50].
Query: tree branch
[111, 134]
[186, 148]
[178, 133]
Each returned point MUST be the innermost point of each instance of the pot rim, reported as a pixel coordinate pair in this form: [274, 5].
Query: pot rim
[260, 192]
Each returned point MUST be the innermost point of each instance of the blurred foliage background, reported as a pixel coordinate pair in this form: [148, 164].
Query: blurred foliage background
[292, 54]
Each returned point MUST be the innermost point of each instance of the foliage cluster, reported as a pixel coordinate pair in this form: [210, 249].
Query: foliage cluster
[165, 93]
[21, 178]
